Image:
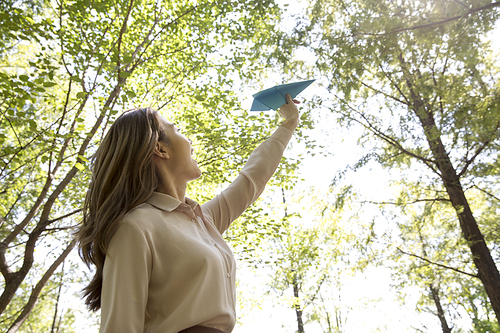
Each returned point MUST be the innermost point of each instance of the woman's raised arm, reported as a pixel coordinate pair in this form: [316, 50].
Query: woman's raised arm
[246, 188]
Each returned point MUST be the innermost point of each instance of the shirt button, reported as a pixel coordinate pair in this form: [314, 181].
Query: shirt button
[214, 243]
[193, 220]
[228, 275]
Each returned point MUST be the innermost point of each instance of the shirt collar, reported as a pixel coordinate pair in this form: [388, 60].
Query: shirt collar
[168, 203]
[163, 201]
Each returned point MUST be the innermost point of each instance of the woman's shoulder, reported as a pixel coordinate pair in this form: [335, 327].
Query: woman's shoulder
[143, 216]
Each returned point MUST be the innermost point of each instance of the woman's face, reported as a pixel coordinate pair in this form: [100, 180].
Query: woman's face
[180, 153]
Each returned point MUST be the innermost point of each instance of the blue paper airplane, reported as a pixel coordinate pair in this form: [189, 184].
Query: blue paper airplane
[274, 97]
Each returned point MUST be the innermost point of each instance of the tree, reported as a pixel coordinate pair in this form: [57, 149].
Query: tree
[51, 313]
[309, 255]
[430, 253]
[68, 67]
[421, 80]
[296, 271]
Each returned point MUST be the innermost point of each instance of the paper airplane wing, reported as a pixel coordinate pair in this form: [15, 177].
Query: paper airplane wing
[274, 97]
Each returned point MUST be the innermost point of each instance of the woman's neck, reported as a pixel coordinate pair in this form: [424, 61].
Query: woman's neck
[177, 191]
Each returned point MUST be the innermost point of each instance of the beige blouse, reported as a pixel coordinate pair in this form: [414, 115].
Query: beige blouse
[168, 268]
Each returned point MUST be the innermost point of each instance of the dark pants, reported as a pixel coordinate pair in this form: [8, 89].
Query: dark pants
[201, 329]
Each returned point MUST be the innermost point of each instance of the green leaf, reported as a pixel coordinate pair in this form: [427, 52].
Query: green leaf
[127, 59]
[32, 124]
[83, 158]
[124, 75]
[79, 166]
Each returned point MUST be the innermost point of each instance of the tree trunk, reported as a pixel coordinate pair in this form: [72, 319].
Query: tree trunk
[328, 322]
[56, 308]
[13, 280]
[38, 288]
[481, 255]
[298, 310]
[487, 270]
[440, 312]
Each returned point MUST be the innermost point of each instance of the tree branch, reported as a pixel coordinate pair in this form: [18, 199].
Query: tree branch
[52, 230]
[174, 21]
[15, 279]
[478, 151]
[38, 288]
[19, 195]
[58, 131]
[215, 158]
[469, 12]
[406, 203]
[367, 124]
[38, 134]
[306, 304]
[461, 3]
[49, 179]
[396, 144]
[65, 216]
[437, 264]
[407, 101]
[385, 94]
[15, 133]
[486, 192]
[120, 36]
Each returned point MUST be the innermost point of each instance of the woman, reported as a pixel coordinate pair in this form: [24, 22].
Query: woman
[161, 262]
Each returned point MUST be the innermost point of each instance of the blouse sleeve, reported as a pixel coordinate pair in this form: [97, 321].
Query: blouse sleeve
[126, 275]
[246, 188]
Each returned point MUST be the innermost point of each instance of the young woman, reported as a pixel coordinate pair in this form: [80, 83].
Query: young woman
[161, 264]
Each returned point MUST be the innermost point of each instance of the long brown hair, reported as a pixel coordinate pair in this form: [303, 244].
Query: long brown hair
[123, 177]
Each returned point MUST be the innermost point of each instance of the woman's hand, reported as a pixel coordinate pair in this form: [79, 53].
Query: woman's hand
[290, 112]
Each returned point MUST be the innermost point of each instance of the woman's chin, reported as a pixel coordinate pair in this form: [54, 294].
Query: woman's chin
[199, 174]
[198, 171]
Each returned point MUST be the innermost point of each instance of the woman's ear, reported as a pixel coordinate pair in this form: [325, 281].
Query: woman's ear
[161, 150]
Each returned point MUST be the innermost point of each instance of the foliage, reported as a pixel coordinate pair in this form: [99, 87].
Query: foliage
[430, 253]
[421, 80]
[42, 318]
[68, 69]
[309, 256]
[417, 77]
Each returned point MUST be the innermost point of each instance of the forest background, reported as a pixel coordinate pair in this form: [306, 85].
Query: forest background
[383, 214]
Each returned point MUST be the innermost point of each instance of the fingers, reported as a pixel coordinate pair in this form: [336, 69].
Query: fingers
[289, 99]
